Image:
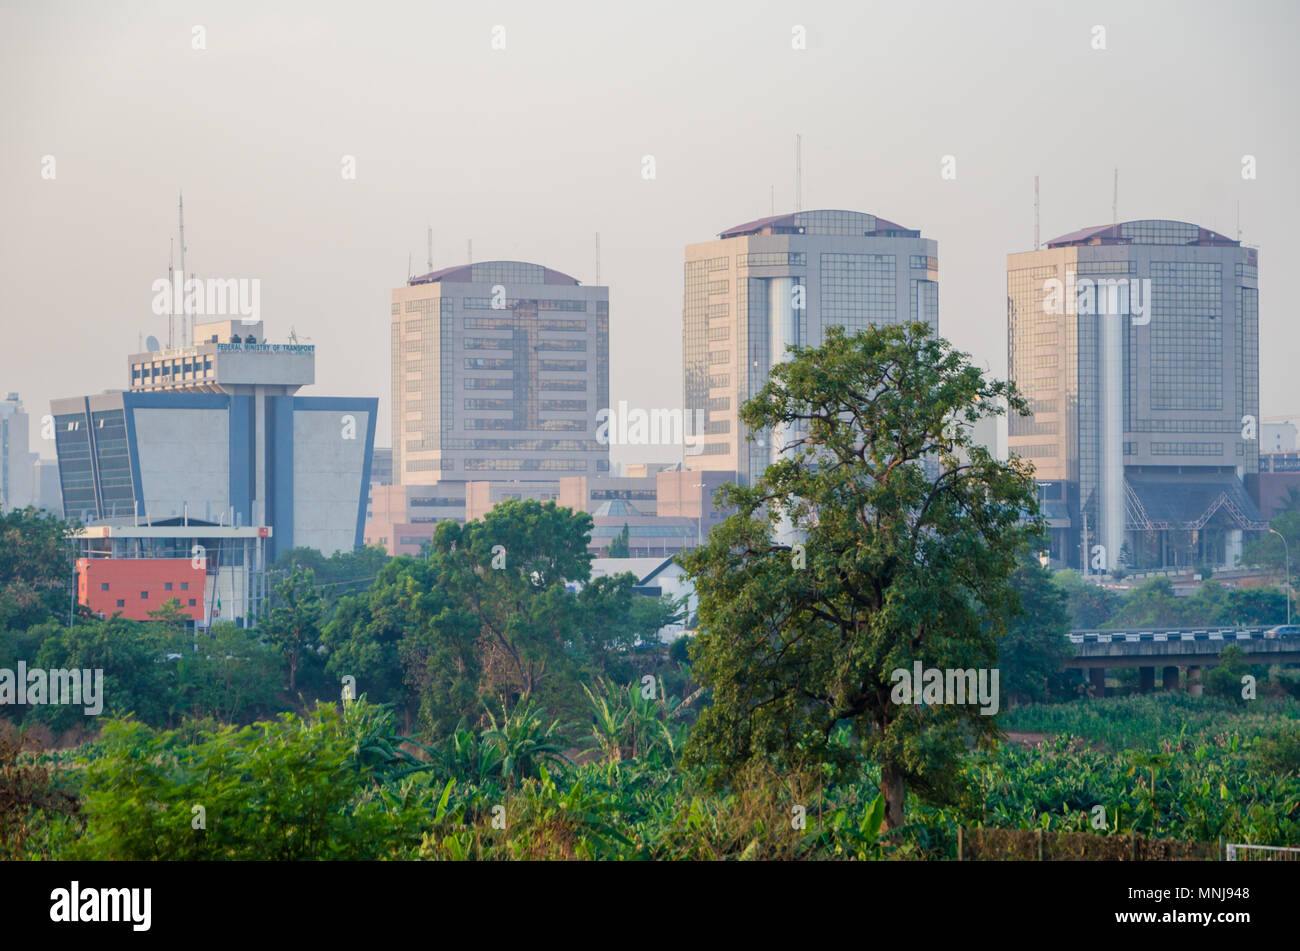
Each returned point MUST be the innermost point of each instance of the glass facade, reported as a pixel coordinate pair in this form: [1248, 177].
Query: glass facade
[1187, 357]
[1190, 369]
[858, 290]
[509, 343]
[76, 472]
[112, 458]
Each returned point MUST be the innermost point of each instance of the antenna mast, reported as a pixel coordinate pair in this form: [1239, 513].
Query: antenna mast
[1036, 244]
[798, 173]
[185, 308]
[598, 258]
[171, 290]
[1114, 205]
[469, 250]
[430, 248]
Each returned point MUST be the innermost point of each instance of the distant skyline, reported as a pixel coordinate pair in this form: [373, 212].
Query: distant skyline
[531, 150]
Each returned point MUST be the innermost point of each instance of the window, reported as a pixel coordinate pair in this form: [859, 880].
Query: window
[121, 603]
[144, 595]
[185, 586]
[772, 259]
[167, 585]
[192, 602]
[103, 586]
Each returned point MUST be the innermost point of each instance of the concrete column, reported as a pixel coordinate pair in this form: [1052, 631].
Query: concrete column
[1146, 679]
[1171, 678]
[1098, 675]
[1112, 509]
[1194, 685]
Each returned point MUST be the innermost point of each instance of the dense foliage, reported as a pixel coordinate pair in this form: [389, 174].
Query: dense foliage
[342, 784]
[883, 536]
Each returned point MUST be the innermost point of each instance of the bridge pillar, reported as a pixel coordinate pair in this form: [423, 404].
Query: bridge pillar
[1146, 679]
[1171, 678]
[1098, 681]
[1194, 685]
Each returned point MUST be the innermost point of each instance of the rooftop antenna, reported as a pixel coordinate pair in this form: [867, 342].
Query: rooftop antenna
[597, 258]
[469, 250]
[772, 189]
[798, 173]
[1114, 204]
[185, 309]
[171, 317]
[430, 248]
[409, 274]
[1036, 244]
[1239, 221]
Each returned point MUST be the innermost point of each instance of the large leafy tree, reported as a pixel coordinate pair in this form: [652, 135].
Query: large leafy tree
[510, 572]
[883, 536]
[36, 559]
[409, 643]
[486, 618]
[294, 622]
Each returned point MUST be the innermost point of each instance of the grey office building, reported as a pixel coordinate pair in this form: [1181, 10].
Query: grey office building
[781, 281]
[1137, 345]
[499, 371]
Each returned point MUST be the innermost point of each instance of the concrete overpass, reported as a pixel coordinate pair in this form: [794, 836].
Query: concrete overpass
[1170, 650]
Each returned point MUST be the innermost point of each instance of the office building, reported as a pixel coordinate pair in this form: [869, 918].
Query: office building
[499, 370]
[215, 572]
[216, 432]
[16, 460]
[1137, 346]
[780, 281]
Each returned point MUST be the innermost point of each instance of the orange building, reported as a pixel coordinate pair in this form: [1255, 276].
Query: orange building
[132, 587]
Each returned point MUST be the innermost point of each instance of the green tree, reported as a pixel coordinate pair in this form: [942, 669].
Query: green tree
[1152, 605]
[1224, 679]
[294, 622]
[1266, 549]
[136, 675]
[896, 564]
[341, 573]
[36, 567]
[227, 675]
[409, 643]
[620, 544]
[509, 572]
[1089, 605]
[1033, 652]
[291, 789]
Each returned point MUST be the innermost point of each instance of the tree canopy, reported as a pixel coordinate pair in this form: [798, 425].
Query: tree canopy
[882, 536]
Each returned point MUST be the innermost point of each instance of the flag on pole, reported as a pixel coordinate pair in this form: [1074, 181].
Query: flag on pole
[216, 612]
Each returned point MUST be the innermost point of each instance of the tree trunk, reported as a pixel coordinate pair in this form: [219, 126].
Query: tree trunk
[892, 785]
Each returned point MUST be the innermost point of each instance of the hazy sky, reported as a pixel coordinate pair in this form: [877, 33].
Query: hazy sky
[533, 149]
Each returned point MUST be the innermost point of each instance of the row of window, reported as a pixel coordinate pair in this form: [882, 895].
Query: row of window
[489, 303]
[167, 586]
